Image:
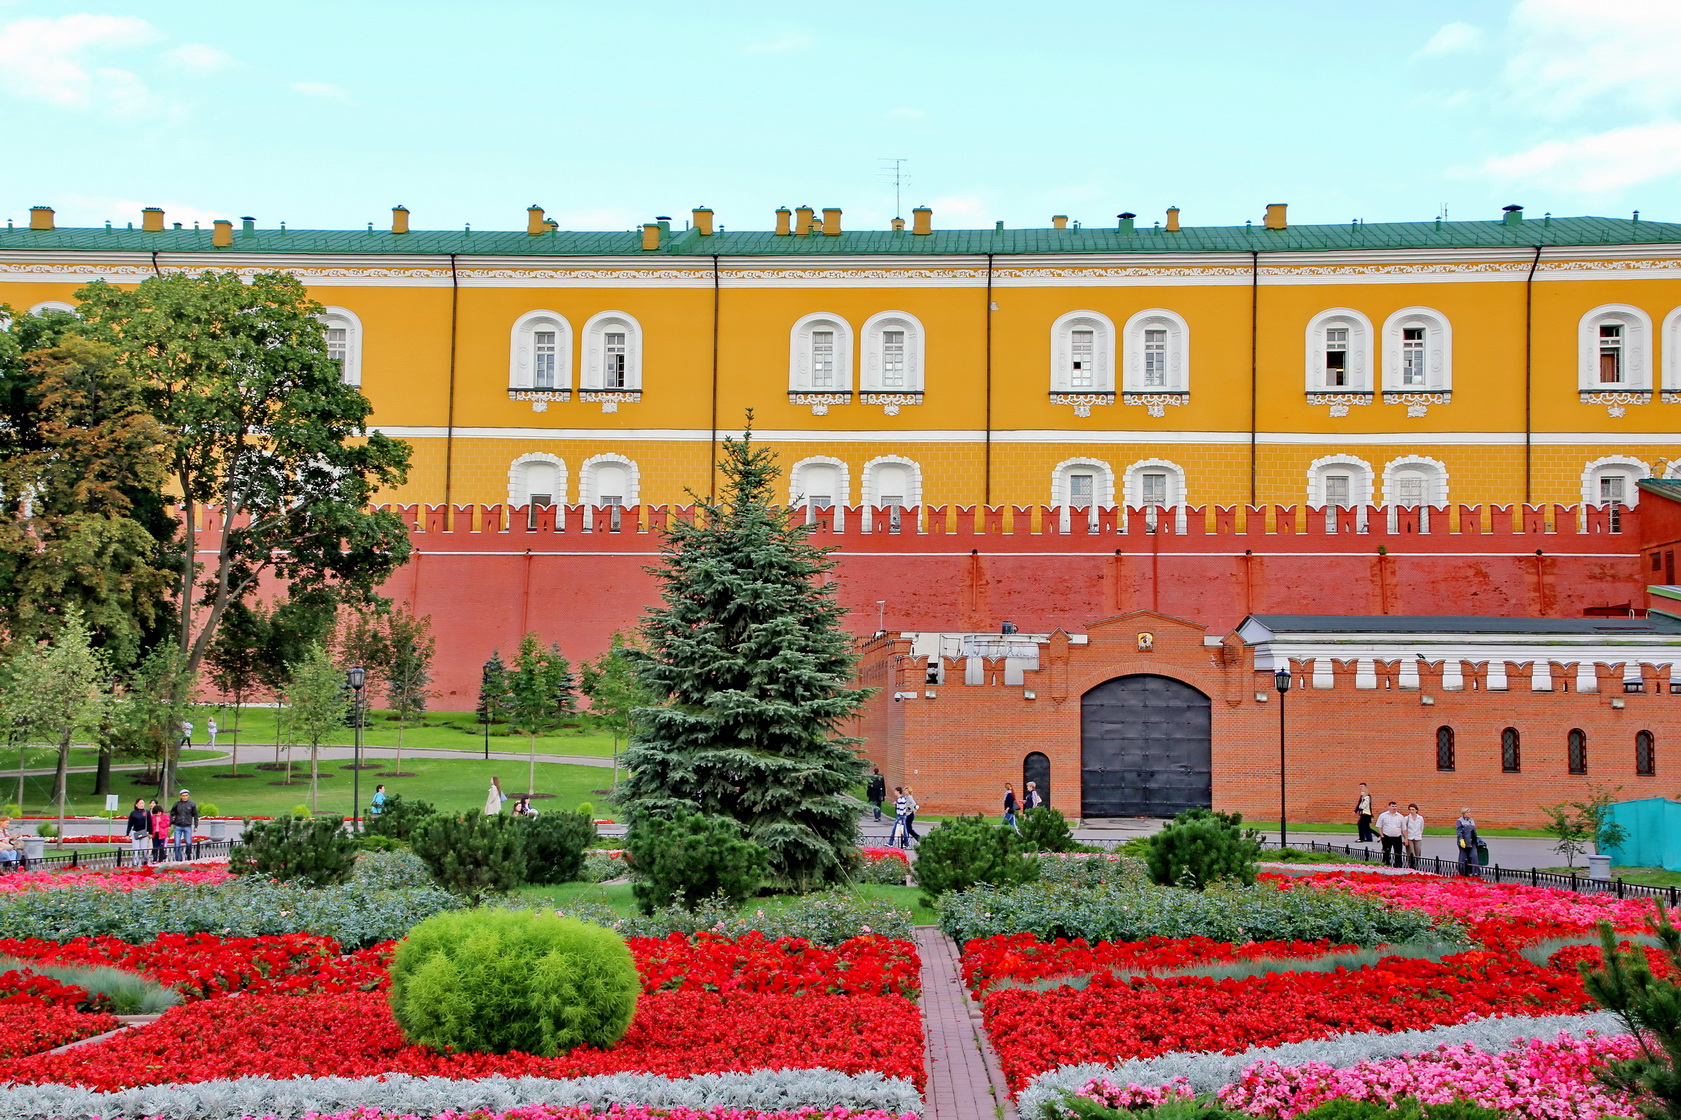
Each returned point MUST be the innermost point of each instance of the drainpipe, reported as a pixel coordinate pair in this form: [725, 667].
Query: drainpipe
[986, 499]
[1254, 375]
[712, 484]
[156, 271]
[449, 422]
[1528, 380]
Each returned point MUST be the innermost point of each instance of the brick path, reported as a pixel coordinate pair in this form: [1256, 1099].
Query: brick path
[964, 1079]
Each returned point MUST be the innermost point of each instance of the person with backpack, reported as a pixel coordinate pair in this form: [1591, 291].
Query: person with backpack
[1010, 807]
[875, 791]
[1033, 798]
[1465, 834]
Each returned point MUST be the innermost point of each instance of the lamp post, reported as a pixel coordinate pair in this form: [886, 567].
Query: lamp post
[1281, 681]
[358, 679]
[484, 715]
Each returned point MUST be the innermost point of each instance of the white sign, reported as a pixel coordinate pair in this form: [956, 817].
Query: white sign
[110, 803]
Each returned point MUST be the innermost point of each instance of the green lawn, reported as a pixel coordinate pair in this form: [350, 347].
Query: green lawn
[1649, 876]
[43, 758]
[442, 731]
[619, 897]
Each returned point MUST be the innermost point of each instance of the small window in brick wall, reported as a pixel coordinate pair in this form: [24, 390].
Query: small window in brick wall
[1444, 748]
[1578, 751]
[1645, 754]
[1511, 759]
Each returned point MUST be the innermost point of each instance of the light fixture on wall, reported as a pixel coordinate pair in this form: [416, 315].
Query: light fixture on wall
[1427, 701]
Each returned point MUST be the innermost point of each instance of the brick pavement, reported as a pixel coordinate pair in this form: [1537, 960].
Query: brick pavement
[964, 1078]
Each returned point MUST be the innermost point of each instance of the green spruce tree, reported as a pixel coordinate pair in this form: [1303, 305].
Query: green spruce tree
[748, 655]
[539, 695]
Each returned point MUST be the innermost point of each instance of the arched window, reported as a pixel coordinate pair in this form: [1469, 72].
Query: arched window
[893, 352]
[1614, 343]
[893, 482]
[1083, 353]
[1645, 754]
[535, 480]
[612, 353]
[820, 354]
[1671, 350]
[1036, 772]
[1415, 481]
[1444, 748]
[1611, 481]
[1417, 352]
[1339, 352]
[1339, 482]
[344, 342]
[608, 480]
[46, 307]
[540, 352]
[1577, 750]
[819, 482]
[1158, 357]
[1154, 483]
[1511, 758]
[1083, 484]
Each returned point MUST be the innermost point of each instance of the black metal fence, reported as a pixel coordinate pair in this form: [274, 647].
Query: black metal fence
[120, 855]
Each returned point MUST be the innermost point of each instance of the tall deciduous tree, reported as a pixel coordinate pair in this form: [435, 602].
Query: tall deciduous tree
[235, 662]
[408, 682]
[144, 717]
[65, 687]
[317, 705]
[539, 695]
[261, 429]
[748, 652]
[615, 691]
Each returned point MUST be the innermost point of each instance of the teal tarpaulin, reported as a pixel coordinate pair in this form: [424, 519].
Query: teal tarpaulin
[1654, 833]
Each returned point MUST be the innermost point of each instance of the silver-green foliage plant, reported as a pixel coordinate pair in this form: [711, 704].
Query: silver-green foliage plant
[825, 918]
[494, 981]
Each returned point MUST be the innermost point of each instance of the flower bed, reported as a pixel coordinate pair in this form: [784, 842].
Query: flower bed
[196, 965]
[711, 962]
[120, 879]
[31, 1029]
[29, 989]
[887, 866]
[1022, 956]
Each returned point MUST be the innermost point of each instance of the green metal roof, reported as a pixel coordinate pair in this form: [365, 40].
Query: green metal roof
[1663, 487]
[956, 242]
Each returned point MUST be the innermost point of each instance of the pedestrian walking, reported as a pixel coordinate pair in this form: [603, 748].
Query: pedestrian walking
[1010, 807]
[210, 730]
[139, 830]
[910, 818]
[183, 821]
[875, 791]
[186, 733]
[1033, 798]
[1415, 836]
[1392, 830]
[1363, 814]
[494, 798]
[1465, 832]
[160, 830]
[377, 806]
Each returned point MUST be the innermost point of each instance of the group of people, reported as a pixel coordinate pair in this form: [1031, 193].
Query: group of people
[1402, 834]
[210, 729]
[904, 809]
[1031, 798]
[150, 827]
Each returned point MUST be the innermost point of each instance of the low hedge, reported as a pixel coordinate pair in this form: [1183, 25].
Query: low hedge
[827, 918]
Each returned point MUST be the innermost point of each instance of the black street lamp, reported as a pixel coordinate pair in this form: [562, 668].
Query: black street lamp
[484, 713]
[358, 677]
[1281, 681]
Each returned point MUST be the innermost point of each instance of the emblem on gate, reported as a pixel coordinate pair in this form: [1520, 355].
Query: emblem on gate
[1146, 642]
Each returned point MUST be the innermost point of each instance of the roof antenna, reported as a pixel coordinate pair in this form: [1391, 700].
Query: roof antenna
[895, 167]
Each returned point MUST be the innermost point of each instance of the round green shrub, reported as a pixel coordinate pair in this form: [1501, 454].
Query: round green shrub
[1199, 847]
[1045, 829]
[970, 850]
[494, 981]
[207, 809]
[46, 829]
[690, 857]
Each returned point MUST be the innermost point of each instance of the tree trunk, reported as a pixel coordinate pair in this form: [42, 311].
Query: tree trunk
[402, 720]
[62, 781]
[531, 779]
[234, 749]
[102, 778]
[314, 777]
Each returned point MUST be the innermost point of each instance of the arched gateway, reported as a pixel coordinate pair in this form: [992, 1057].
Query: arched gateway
[1145, 748]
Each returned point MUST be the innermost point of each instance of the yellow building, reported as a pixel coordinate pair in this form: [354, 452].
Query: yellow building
[1510, 360]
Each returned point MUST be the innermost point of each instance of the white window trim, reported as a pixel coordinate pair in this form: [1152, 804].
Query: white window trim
[519, 482]
[1103, 489]
[588, 488]
[1133, 496]
[45, 306]
[346, 318]
[521, 372]
[1631, 468]
[1361, 476]
[799, 353]
[1670, 350]
[1103, 347]
[872, 484]
[1394, 466]
[1438, 350]
[1359, 351]
[1178, 352]
[869, 372]
[796, 485]
[1637, 349]
[594, 369]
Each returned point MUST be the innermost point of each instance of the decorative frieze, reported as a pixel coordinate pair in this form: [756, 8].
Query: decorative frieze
[890, 402]
[1083, 402]
[1418, 404]
[1339, 402]
[1616, 403]
[1156, 403]
[819, 402]
[609, 399]
[540, 398]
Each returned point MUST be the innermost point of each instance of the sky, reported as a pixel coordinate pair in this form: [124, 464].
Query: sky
[325, 115]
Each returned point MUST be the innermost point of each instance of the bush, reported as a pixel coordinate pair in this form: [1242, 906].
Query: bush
[587, 810]
[400, 817]
[970, 850]
[1650, 1007]
[209, 809]
[1046, 830]
[390, 871]
[599, 867]
[1091, 870]
[13, 811]
[1406, 1108]
[554, 845]
[316, 851]
[46, 829]
[690, 857]
[826, 918]
[473, 856]
[493, 981]
[370, 842]
[1199, 847]
[301, 810]
[889, 868]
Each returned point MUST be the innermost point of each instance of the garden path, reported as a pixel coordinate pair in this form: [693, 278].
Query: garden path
[965, 1081]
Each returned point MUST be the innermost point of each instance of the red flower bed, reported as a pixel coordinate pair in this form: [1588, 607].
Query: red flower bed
[1568, 958]
[353, 1035]
[1113, 1019]
[32, 1029]
[1022, 956]
[197, 964]
[869, 965]
[29, 989]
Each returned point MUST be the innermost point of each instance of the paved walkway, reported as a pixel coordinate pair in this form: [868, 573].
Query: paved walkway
[964, 1079]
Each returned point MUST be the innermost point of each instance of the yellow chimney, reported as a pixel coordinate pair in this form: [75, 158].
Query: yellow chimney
[550, 225]
[831, 221]
[1173, 219]
[223, 235]
[40, 217]
[802, 221]
[533, 220]
[782, 217]
[898, 225]
[703, 221]
[399, 219]
[151, 219]
[922, 220]
[1059, 221]
[1275, 216]
[650, 236]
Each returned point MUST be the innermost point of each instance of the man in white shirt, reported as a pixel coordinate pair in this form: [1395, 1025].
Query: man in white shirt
[1392, 830]
[1415, 836]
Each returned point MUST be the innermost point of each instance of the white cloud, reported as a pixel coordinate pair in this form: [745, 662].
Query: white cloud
[785, 43]
[907, 113]
[1453, 38]
[198, 58]
[1600, 163]
[55, 60]
[321, 89]
[1570, 53]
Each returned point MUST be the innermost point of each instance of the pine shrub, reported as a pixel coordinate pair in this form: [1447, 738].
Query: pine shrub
[1046, 830]
[1650, 1007]
[316, 851]
[689, 858]
[494, 981]
[1199, 847]
[554, 845]
[970, 850]
[399, 817]
[474, 856]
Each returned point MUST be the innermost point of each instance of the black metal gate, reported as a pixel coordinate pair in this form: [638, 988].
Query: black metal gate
[1144, 748]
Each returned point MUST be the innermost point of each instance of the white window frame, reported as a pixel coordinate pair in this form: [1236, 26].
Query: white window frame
[1103, 352]
[522, 372]
[589, 488]
[1133, 486]
[1670, 350]
[1062, 489]
[519, 480]
[874, 340]
[1178, 372]
[48, 305]
[1436, 477]
[346, 320]
[871, 497]
[1636, 348]
[1438, 350]
[799, 353]
[1360, 476]
[594, 372]
[1359, 366]
[1626, 466]
[797, 492]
